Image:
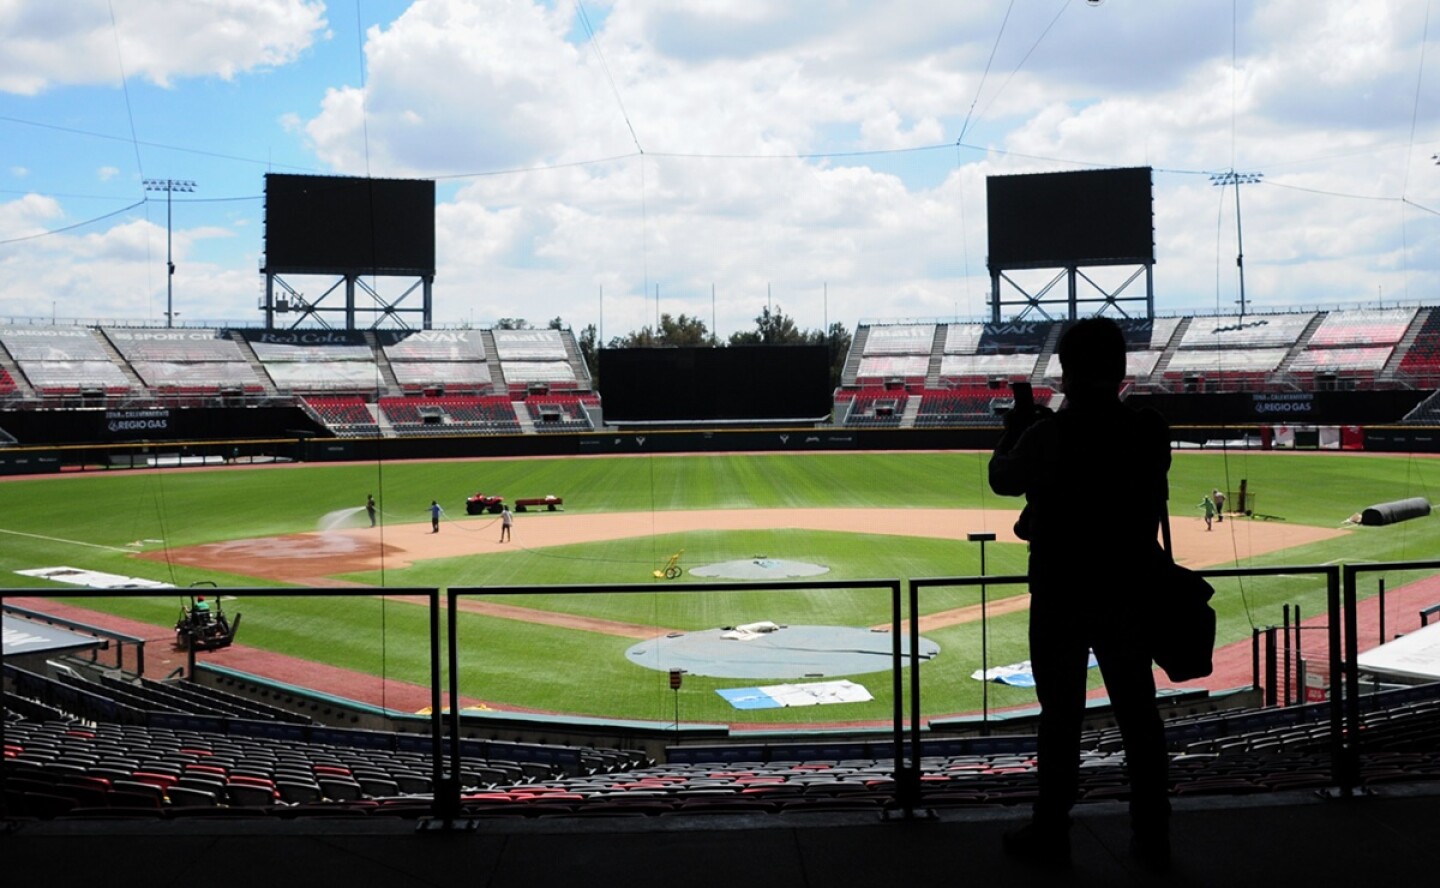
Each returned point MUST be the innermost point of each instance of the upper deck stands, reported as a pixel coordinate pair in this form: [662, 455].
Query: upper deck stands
[911, 368]
[428, 359]
[320, 361]
[448, 346]
[523, 373]
[1356, 344]
[1362, 328]
[63, 360]
[900, 339]
[1015, 337]
[1235, 332]
[1237, 351]
[1342, 360]
[1423, 356]
[981, 367]
[185, 361]
[1138, 365]
[535, 358]
[450, 375]
[1213, 361]
[896, 352]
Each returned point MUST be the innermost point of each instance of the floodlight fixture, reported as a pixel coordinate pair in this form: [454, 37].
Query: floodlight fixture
[169, 186]
[1232, 177]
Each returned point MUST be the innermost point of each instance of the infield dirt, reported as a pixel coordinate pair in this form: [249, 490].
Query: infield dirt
[315, 558]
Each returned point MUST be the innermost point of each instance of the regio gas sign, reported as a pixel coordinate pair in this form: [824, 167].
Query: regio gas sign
[132, 421]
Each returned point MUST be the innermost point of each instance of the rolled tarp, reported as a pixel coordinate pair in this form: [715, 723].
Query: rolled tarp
[1392, 512]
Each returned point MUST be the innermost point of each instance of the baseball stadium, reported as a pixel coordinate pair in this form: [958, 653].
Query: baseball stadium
[274, 582]
[796, 539]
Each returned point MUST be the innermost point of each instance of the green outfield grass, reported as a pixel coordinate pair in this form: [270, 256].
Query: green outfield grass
[90, 520]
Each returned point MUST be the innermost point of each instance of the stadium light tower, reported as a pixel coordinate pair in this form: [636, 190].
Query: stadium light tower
[1238, 179]
[169, 186]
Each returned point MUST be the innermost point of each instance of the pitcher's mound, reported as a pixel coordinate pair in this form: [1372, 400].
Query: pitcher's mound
[760, 568]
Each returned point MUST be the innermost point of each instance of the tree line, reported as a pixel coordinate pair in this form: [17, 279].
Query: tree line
[772, 327]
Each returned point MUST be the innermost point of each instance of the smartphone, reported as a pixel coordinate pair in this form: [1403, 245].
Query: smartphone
[1024, 396]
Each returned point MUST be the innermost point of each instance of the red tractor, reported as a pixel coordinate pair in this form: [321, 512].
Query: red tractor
[481, 503]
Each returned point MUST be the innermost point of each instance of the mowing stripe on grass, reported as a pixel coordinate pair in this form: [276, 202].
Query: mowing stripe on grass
[50, 539]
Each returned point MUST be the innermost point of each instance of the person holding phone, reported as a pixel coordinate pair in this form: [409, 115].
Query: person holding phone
[1089, 580]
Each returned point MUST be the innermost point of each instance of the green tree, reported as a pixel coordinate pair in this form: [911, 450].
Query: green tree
[674, 331]
[512, 324]
[771, 328]
[838, 340]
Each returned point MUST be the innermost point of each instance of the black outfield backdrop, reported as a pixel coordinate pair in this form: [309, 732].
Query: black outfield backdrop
[736, 383]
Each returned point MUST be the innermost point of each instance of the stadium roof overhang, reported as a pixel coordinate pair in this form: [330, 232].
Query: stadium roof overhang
[25, 637]
[1415, 656]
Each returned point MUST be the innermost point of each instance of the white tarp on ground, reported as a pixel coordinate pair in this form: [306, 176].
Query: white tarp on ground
[786, 696]
[1413, 656]
[92, 578]
[750, 631]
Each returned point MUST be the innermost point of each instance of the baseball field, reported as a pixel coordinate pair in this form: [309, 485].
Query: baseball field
[842, 516]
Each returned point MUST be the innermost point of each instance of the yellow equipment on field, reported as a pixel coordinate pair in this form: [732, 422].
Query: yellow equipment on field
[671, 570]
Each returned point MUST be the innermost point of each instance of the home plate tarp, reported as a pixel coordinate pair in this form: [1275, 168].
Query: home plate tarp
[785, 696]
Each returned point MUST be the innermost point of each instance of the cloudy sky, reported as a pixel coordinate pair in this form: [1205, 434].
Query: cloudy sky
[828, 157]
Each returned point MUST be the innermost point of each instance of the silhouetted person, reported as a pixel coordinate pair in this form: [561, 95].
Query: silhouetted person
[1091, 576]
[370, 507]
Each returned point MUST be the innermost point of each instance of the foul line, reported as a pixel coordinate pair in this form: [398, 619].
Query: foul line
[50, 539]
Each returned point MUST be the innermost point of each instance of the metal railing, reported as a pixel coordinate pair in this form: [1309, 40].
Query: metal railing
[907, 727]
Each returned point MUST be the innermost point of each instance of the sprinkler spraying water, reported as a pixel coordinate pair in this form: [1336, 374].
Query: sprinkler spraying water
[341, 519]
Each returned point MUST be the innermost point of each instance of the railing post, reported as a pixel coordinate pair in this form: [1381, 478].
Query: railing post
[1271, 672]
[452, 652]
[445, 786]
[1352, 682]
[1286, 670]
[1299, 658]
[1339, 772]
[1254, 658]
[907, 774]
[1381, 594]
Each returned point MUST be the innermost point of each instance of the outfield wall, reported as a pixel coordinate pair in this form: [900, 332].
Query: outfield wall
[100, 439]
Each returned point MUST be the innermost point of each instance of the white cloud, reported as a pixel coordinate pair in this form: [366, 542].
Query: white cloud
[106, 173]
[28, 216]
[774, 137]
[19, 172]
[78, 41]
